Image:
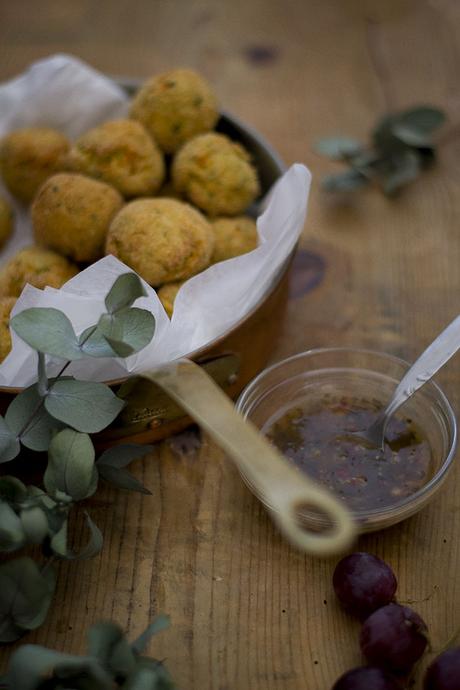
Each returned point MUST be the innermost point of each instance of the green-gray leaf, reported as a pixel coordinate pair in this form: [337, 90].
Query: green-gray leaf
[34, 523]
[33, 667]
[70, 464]
[83, 405]
[12, 535]
[126, 289]
[112, 461]
[25, 597]
[338, 148]
[128, 331]
[160, 623]
[94, 343]
[9, 444]
[12, 489]
[27, 406]
[47, 330]
[406, 169]
[422, 119]
[344, 182]
[58, 541]
[42, 385]
[94, 544]
[108, 644]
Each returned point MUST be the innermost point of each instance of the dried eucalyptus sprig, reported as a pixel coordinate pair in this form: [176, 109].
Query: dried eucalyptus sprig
[401, 148]
[58, 415]
[110, 664]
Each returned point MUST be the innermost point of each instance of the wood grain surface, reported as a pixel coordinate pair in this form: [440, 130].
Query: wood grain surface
[248, 612]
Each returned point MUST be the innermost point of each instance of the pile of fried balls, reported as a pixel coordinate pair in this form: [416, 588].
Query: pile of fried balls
[159, 190]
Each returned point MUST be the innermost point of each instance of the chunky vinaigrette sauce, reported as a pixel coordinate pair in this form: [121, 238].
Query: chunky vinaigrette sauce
[314, 437]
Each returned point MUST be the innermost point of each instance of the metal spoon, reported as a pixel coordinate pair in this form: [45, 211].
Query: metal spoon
[426, 366]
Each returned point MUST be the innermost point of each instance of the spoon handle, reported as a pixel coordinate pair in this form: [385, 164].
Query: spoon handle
[430, 361]
[284, 487]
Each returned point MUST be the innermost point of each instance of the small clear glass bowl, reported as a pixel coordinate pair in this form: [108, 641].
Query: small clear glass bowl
[369, 375]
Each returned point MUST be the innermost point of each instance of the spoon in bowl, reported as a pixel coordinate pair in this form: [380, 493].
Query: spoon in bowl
[427, 365]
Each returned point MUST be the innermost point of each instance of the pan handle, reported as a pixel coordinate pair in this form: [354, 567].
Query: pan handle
[285, 488]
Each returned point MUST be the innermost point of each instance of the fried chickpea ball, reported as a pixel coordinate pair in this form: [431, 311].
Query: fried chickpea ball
[6, 305]
[6, 221]
[215, 174]
[30, 156]
[122, 154]
[38, 267]
[174, 107]
[233, 237]
[71, 214]
[167, 294]
[163, 240]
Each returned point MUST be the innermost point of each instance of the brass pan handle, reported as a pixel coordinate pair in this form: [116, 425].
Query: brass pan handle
[286, 489]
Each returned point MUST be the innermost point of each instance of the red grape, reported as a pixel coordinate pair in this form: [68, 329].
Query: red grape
[393, 637]
[365, 678]
[444, 672]
[363, 583]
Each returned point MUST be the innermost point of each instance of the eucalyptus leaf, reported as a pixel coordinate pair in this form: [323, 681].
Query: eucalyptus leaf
[12, 535]
[70, 464]
[83, 405]
[12, 490]
[126, 289]
[9, 444]
[28, 405]
[94, 544]
[112, 462]
[128, 331]
[410, 136]
[107, 643]
[406, 169]
[338, 148]
[160, 623]
[143, 679]
[47, 330]
[422, 119]
[33, 667]
[25, 597]
[94, 343]
[58, 541]
[34, 523]
[42, 385]
[344, 182]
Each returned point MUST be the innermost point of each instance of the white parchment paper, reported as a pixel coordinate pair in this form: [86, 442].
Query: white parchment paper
[63, 92]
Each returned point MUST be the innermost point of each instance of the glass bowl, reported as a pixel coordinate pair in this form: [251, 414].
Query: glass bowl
[372, 376]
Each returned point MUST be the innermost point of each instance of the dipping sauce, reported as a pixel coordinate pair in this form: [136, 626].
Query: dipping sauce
[313, 436]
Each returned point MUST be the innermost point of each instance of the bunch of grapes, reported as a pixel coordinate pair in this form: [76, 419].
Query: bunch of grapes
[393, 637]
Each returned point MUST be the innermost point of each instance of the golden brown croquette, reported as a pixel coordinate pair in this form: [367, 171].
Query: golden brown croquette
[122, 154]
[71, 214]
[175, 106]
[163, 240]
[6, 305]
[167, 294]
[6, 221]
[233, 237]
[38, 267]
[30, 156]
[215, 174]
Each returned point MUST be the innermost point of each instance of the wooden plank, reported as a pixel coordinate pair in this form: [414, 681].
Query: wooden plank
[248, 612]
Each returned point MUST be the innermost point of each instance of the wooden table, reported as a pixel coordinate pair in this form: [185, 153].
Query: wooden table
[248, 611]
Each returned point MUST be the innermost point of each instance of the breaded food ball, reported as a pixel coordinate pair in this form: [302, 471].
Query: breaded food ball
[175, 106]
[215, 174]
[167, 294]
[38, 267]
[122, 154]
[163, 240]
[71, 214]
[233, 237]
[6, 305]
[30, 156]
[6, 221]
